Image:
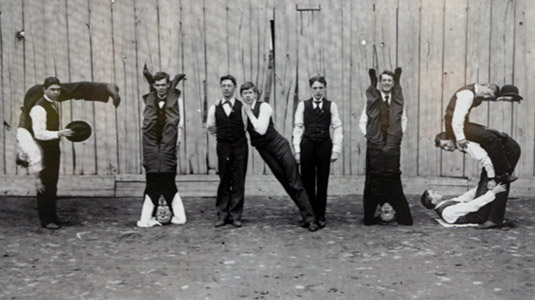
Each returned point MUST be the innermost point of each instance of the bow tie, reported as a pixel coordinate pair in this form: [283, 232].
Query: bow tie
[227, 102]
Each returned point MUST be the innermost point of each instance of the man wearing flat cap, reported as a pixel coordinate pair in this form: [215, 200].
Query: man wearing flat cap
[39, 134]
[461, 130]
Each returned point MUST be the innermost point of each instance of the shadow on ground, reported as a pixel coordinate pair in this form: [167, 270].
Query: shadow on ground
[102, 255]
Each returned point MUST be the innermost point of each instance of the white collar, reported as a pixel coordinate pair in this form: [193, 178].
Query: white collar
[48, 99]
[231, 100]
[383, 95]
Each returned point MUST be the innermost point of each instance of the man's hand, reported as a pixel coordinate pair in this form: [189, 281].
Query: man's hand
[298, 158]
[113, 90]
[462, 144]
[499, 188]
[39, 186]
[491, 183]
[212, 130]
[247, 109]
[65, 132]
[334, 156]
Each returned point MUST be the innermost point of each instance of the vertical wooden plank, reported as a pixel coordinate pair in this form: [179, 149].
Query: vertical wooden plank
[430, 110]
[105, 125]
[407, 59]
[363, 34]
[385, 34]
[79, 45]
[3, 18]
[477, 65]
[524, 120]
[34, 27]
[501, 61]
[453, 70]
[13, 82]
[125, 70]
[346, 84]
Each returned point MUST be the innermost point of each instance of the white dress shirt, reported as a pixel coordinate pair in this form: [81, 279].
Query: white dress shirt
[465, 204]
[464, 101]
[364, 117]
[261, 123]
[38, 115]
[210, 118]
[299, 126]
[478, 153]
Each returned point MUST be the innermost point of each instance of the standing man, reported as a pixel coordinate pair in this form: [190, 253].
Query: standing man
[275, 151]
[163, 119]
[314, 148]
[461, 130]
[383, 122]
[227, 121]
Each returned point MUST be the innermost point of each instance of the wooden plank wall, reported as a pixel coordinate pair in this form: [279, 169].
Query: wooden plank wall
[441, 45]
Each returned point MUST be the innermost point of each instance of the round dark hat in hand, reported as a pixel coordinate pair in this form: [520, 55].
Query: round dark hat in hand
[509, 92]
[81, 131]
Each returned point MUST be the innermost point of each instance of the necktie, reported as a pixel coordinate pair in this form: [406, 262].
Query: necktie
[386, 101]
[317, 109]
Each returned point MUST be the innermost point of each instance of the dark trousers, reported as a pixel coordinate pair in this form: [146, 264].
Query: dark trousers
[494, 211]
[47, 199]
[232, 162]
[315, 168]
[277, 154]
[159, 184]
[380, 189]
[489, 140]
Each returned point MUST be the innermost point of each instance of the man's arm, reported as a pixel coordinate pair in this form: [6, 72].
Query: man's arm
[210, 120]
[451, 213]
[465, 99]
[404, 120]
[338, 134]
[38, 115]
[299, 128]
[363, 120]
[261, 123]
[180, 129]
[479, 154]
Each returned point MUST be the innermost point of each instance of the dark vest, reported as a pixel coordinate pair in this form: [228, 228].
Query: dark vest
[52, 121]
[453, 101]
[317, 124]
[229, 128]
[160, 132]
[384, 122]
[439, 211]
[258, 140]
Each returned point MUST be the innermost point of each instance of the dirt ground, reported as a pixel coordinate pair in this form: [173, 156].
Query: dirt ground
[102, 255]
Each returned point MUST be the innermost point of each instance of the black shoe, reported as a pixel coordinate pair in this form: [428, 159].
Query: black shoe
[237, 223]
[313, 227]
[322, 223]
[488, 225]
[506, 178]
[51, 225]
[220, 223]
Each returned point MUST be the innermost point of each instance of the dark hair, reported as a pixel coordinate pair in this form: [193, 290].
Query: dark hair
[426, 200]
[495, 88]
[389, 73]
[228, 77]
[440, 137]
[319, 79]
[247, 86]
[160, 76]
[50, 81]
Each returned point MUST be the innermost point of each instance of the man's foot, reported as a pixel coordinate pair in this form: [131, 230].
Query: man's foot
[488, 225]
[313, 227]
[322, 223]
[51, 225]
[237, 223]
[506, 178]
[219, 223]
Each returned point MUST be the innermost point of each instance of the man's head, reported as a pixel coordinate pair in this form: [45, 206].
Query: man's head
[430, 199]
[52, 88]
[488, 91]
[388, 214]
[161, 83]
[228, 86]
[248, 92]
[318, 86]
[443, 142]
[386, 81]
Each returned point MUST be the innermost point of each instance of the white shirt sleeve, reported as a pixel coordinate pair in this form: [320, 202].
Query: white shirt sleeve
[363, 120]
[404, 120]
[299, 127]
[210, 120]
[180, 129]
[38, 115]
[451, 213]
[479, 154]
[261, 123]
[465, 98]
[336, 124]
